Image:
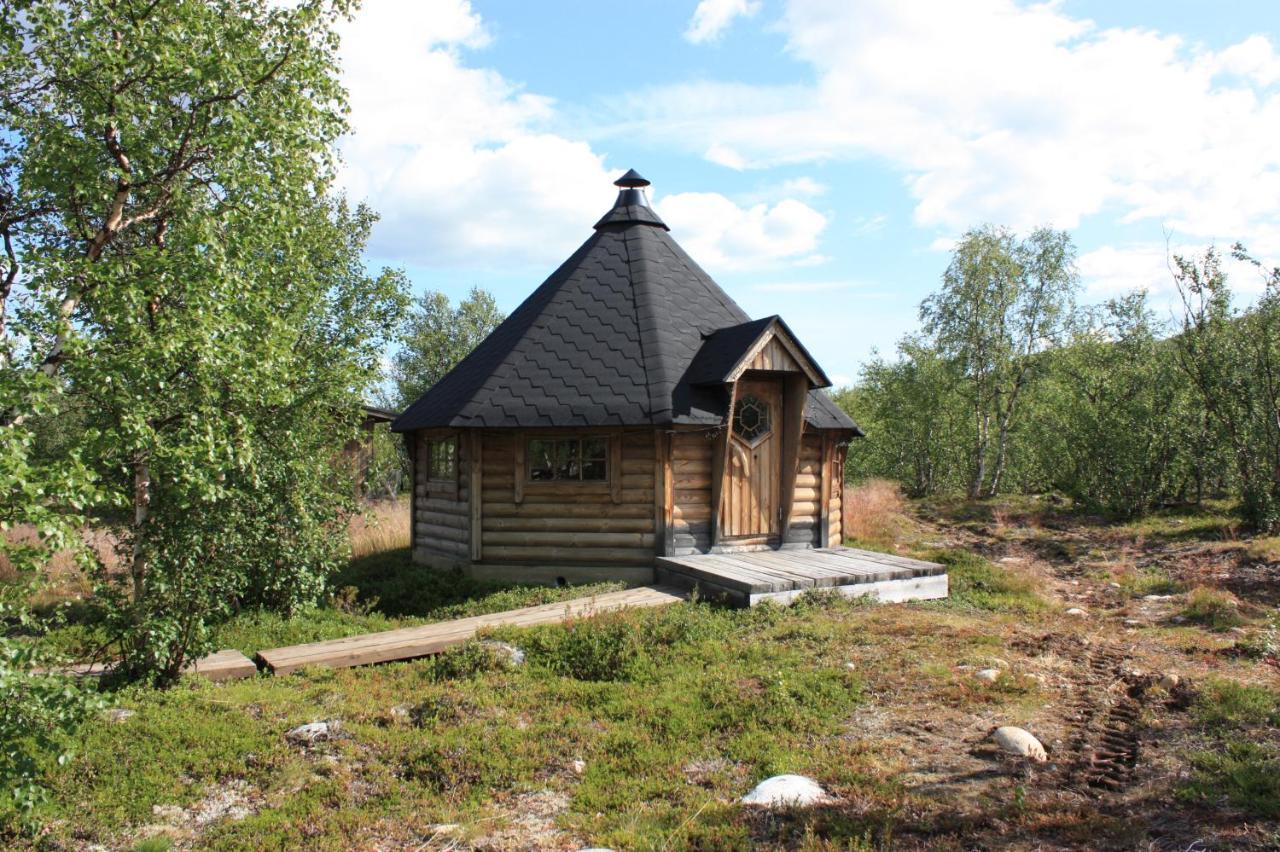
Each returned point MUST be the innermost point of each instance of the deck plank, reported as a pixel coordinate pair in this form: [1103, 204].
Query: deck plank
[409, 642]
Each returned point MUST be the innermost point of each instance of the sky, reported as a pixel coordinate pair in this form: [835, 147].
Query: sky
[818, 158]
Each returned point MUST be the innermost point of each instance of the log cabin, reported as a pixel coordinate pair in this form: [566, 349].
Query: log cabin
[627, 412]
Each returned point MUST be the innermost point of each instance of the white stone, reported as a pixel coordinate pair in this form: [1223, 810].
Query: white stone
[1169, 681]
[787, 791]
[117, 714]
[1157, 597]
[508, 653]
[988, 675]
[312, 732]
[578, 767]
[1020, 742]
[1077, 612]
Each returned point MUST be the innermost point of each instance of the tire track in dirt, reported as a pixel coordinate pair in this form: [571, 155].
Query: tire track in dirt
[1105, 723]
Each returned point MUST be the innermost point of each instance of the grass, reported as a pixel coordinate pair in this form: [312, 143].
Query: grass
[977, 584]
[1241, 766]
[637, 696]
[1213, 609]
[875, 513]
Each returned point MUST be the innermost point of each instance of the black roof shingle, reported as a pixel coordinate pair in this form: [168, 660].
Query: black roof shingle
[607, 340]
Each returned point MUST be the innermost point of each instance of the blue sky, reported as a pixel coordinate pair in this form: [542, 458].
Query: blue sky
[817, 157]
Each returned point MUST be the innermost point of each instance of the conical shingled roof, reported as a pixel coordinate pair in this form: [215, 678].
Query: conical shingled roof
[605, 341]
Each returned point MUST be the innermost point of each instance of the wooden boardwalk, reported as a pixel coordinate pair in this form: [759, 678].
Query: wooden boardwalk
[747, 578]
[409, 642]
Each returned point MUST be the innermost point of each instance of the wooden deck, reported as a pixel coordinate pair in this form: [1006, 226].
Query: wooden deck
[409, 642]
[745, 579]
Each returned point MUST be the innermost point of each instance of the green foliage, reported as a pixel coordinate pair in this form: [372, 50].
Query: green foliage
[979, 584]
[437, 336]
[1212, 609]
[1002, 301]
[1112, 418]
[192, 286]
[1246, 774]
[1224, 704]
[1232, 359]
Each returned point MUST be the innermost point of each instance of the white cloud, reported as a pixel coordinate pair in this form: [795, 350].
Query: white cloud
[1112, 271]
[1020, 114]
[720, 235]
[464, 167]
[723, 155]
[804, 286]
[712, 17]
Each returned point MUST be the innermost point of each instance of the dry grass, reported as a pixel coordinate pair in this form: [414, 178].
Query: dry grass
[383, 526]
[64, 577]
[875, 512]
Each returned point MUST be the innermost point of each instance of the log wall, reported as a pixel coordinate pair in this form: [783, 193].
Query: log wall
[441, 522]
[691, 491]
[806, 511]
[604, 523]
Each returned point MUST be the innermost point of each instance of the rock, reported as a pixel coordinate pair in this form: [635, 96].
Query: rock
[578, 767]
[1020, 742]
[400, 714]
[998, 663]
[312, 732]
[851, 667]
[1011, 560]
[116, 715]
[1169, 681]
[988, 675]
[787, 791]
[1133, 622]
[510, 655]
[170, 814]
[1157, 597]
[1113, 584]
[1077, 612]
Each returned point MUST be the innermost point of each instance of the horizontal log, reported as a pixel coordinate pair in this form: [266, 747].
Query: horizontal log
[448, 507]
[692, 511]
[570, 540]
[425, 531]
[459, 550]
[569, 526]
[808, 480]
[549, 493]
[698, 465]
[602, 555]
[507, 509]
[444, 519]
[692, 496]
[692, 482]
[807, 495]
[637, 465]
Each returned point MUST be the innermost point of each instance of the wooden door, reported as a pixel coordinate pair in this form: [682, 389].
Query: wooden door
[753, 471]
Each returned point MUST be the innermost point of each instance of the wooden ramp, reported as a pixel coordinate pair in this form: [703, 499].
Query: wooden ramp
[408, 642]
[745, 579]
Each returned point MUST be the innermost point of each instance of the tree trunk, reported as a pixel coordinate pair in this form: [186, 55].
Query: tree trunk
[141, 511]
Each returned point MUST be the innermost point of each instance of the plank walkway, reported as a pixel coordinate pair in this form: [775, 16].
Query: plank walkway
[409, 642]
[749, 577]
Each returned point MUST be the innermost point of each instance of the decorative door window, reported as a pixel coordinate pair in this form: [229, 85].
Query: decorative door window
[752, 419]
[568, 459]
[443, 458]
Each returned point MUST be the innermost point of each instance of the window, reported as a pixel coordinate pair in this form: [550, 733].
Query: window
[568, 459]
[442, 458]
[751, 420]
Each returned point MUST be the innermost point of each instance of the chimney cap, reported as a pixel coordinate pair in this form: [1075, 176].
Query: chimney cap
[631, 180]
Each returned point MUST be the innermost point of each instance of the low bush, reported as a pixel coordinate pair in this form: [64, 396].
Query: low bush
[1244, 773]
[1229, 704]
[874, 512]
[1212, 609]
[979, 584]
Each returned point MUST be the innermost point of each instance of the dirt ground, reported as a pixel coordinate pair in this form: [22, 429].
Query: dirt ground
[1116, 666]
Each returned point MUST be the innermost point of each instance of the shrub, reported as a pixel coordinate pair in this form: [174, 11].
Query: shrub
[1212, 609]
[1246, 774]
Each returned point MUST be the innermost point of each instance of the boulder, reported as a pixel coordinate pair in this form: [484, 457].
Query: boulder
[1020, 742]
[1077, 612]
[787, 791]
[312, 732]
[510, 655]
[988, 675]
[117, 715]
[1169, 681]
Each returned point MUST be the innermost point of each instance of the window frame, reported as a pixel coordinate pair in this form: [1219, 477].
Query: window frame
[580, 438]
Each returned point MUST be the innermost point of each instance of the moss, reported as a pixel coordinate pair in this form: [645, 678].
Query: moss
[982, 585]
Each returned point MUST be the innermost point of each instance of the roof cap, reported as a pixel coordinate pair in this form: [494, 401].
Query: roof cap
[631, 206]
[631, 179]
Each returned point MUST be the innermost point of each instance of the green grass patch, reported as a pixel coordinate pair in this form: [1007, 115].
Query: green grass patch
[1213, 609]
[1228, 704]
[982, 585]
[1213, 520]
[1149, 581]
[1244, 774]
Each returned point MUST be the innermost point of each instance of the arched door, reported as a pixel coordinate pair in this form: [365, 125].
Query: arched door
[750, 508]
